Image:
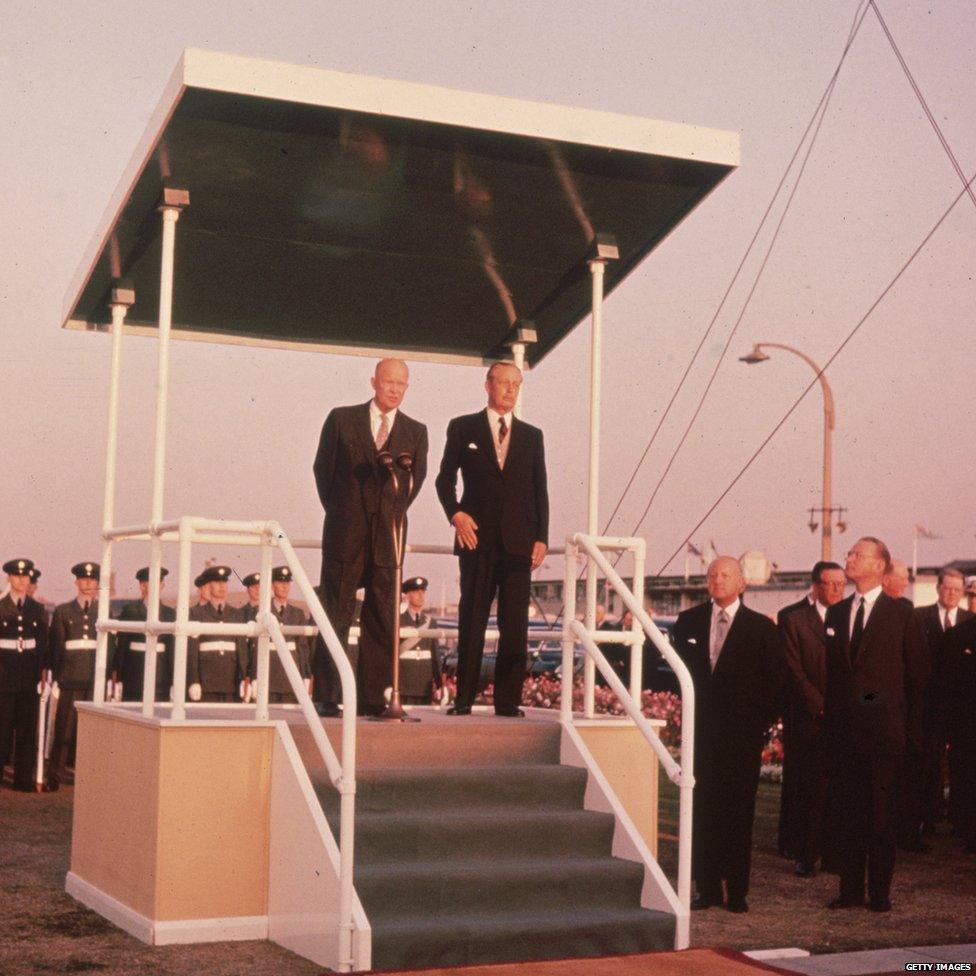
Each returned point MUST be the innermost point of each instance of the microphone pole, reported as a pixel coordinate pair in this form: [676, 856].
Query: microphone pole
[394, 710]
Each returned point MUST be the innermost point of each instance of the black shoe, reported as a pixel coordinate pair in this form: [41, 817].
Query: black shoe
[804, 870]
[24, 787]
[787, 853]
[880, 905]
[327, 709]
[699, 903]
[52, 786]
[738, 906]
[510, 712]
[842, 902]
[459, 710]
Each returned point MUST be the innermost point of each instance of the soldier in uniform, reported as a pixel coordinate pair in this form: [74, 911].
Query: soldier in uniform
[71, 659]
[252, 583]
[35, 575]
[217, 664]
[420, 668]
[23, 648]
[203, 589]
[279, 689]
[129, 658]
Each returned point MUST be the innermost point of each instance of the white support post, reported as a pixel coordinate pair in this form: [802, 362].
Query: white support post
[518, 357]
[108, 509]
[568, 641]
[263, 673]
[170, 215]
[186, 533]
[637, 648]
[593, 480]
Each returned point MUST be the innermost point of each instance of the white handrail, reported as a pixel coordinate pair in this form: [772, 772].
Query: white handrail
[686, 779]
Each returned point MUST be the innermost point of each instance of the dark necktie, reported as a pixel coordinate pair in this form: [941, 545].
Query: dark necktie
[220, 609]
[502, 430]
[948, 624]
[858, 631]
[20, 604]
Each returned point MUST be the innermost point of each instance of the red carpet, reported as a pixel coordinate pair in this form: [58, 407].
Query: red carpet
[691, 962]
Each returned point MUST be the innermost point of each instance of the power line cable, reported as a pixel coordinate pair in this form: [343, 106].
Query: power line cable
[921, 98]
[967, 189]
[855, 27]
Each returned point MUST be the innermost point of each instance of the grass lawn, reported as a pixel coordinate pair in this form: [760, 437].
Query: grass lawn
[934, 895]
[42, 930]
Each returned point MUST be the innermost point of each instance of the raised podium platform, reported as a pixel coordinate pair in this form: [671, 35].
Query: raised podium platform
[478, 839]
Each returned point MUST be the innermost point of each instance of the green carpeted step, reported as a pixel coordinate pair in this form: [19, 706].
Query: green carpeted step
[488, 935]
[383, 790]
[504, 833]
[449, 886]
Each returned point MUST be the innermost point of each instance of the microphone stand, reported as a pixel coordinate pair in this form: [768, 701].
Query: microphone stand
[394, 711]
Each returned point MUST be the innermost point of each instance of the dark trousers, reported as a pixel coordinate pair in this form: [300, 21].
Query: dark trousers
[962, 773]
[486, 571]
[909, 791]
[787, 840]
[932, 800]
[372, 660]
[66, 731]
[723, 811]
[18, 721]
[864, 786]
[809, 776]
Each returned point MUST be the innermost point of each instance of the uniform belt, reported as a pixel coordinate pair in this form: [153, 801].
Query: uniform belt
[18, 645]
[416, 654]
[80, 644]
[141, 646]
[221, 646]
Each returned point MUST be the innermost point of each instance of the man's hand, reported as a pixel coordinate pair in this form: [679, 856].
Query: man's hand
[466, 529]
[539, 550]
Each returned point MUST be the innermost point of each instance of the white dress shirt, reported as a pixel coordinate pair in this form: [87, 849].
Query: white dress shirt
[376, 417]
[501, 447]
[869, 600]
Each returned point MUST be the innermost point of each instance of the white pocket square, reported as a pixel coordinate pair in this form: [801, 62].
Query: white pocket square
[692, 640]
[830, 631]
[472, 446]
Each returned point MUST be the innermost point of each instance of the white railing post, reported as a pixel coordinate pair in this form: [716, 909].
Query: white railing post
[637, 647]
[122, 297]
[170, 207]
[186, 534]
[263, 673]
[568, 641]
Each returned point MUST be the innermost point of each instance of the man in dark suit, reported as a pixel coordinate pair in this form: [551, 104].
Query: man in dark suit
[896, 580]
[501, 526]
[877, 666]
[734, 658]
[357, 493]
[959, 663]
[925, 806]
[804, 775]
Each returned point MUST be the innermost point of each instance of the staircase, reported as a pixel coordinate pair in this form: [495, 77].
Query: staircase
[472, 846]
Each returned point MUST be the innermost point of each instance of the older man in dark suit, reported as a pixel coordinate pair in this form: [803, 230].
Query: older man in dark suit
[501, 526]
[804, 775]
[358, 549]
[925, 804]
[877, 666]
[734, 658]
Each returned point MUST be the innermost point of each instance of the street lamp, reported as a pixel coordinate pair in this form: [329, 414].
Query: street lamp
[827, 510]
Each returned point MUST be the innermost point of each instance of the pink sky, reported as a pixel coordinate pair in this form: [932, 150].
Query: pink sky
[79, 83]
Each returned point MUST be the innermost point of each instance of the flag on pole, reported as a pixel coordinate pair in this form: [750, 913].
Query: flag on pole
[925, 533]
[694, 550]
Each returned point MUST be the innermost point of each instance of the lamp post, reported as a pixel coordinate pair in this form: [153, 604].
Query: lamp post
[826, 510]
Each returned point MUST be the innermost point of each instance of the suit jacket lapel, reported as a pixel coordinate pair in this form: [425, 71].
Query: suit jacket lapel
[844, 619]
[365, 433]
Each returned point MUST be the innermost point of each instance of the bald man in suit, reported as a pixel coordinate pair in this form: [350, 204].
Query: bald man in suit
[735, 661]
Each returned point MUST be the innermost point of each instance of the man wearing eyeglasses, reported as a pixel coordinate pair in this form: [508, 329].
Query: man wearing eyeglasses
[804, 775]
[877, 666]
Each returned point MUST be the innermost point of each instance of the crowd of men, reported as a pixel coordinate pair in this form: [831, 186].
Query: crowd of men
[874, 695]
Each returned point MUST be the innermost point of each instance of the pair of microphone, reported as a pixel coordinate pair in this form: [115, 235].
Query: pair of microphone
[385, 459]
